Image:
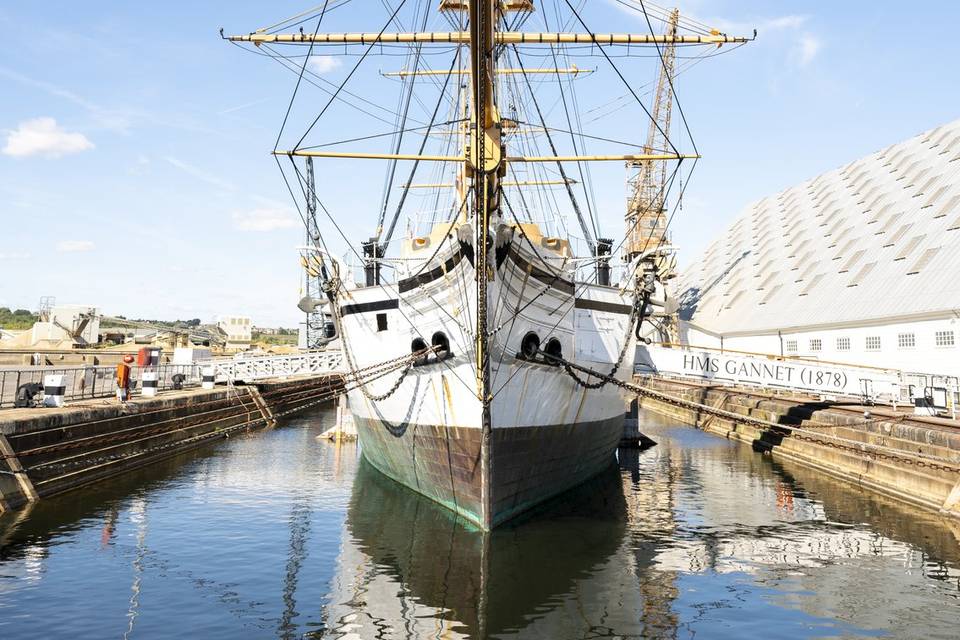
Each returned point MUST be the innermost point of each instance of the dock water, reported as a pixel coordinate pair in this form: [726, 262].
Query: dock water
[698, 536]
[909, 458]
[50, 450]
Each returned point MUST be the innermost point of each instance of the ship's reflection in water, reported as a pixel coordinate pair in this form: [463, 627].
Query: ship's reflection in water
[280, 535]
[695, 537]
[433, 575]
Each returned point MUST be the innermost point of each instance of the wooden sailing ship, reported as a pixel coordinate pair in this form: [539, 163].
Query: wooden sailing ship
[513, 353]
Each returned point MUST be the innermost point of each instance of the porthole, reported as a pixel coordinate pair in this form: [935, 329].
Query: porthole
[553, 352]
[529, 346]
[441, 345]
[417, 346]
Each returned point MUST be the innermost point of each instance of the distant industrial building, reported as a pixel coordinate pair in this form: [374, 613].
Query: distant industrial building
[858, 265]
[266, 331]
[64, 326]
[238, 331]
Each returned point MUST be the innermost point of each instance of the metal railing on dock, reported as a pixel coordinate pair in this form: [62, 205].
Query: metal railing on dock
[828, 379]
[276, 366]
[87, 382]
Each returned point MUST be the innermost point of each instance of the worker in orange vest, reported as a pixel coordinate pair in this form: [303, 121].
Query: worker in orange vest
[123, 379]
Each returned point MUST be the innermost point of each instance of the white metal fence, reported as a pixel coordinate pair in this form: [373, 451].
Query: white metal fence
[283, 366]
[86, 382]
[811, 376]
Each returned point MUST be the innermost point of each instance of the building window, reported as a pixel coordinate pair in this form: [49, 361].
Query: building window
[843, 344]
[791, 346]
[873, 343]
[944, 338]
[381, 322]
[906, 340]
[816, 344]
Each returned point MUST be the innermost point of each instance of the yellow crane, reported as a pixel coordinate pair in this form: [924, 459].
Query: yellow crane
[646, 218]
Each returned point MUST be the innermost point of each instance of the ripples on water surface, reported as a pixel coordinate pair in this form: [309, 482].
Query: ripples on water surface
[279, 534]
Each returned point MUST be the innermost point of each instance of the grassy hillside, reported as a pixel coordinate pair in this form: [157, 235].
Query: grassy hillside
[16, 320]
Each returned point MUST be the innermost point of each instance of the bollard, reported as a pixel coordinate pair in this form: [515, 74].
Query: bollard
[340, 411]
[207, 381]
[148, 384]
[53, 390]
[123, 379]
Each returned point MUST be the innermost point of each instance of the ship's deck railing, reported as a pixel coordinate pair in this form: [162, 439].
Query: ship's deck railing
[306, 363]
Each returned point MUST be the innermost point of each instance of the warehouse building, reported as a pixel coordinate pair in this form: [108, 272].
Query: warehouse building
[237, 331]
[860, 265]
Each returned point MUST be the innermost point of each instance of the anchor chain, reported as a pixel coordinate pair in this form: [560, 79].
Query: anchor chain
[637, 309]
[355, 373]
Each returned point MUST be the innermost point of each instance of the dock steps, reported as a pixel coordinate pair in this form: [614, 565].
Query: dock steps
[262, 406]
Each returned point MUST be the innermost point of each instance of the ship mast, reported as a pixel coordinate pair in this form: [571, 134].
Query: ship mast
[486, 165]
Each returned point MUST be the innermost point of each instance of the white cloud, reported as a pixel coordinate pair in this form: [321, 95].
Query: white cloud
[120, 120]
[323, 64]
[696, 11]
[782, 22]
[807, 48]
[14, 255]
[243, 106]
[264, 219]
[42, 136]
[52, 89]
[73, 246]
[200, 174]
[762, 25]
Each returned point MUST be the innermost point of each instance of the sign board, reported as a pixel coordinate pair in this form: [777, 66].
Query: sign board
[828, 379]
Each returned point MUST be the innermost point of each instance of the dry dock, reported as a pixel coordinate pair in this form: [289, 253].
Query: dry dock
[912, 458]
[50, 450]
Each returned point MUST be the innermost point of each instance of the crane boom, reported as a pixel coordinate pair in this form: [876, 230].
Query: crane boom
[646, 222]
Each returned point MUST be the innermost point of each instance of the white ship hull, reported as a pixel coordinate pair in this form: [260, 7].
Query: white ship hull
[548, 431]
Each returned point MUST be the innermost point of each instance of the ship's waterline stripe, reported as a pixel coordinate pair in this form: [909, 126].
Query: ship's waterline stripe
[453, 483]
[367, 307]
[471, 518]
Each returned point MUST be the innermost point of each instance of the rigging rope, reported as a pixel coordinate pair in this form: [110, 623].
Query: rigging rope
[398, 140]
[616, 69]
[349, 75]
[553, 148]
[416, 163]
[576, 151]
[300, 77]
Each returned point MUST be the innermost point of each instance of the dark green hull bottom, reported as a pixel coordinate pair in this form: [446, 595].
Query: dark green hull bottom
[528, 464]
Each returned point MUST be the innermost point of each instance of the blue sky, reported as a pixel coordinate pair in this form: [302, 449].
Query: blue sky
[134, 166]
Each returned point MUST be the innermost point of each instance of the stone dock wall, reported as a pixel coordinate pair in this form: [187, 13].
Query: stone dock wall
[917, 461]
[48, 451]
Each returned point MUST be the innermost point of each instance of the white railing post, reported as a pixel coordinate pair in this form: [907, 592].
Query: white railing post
[249, 369]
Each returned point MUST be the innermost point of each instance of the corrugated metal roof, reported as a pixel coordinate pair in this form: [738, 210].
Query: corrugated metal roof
[889, 218]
